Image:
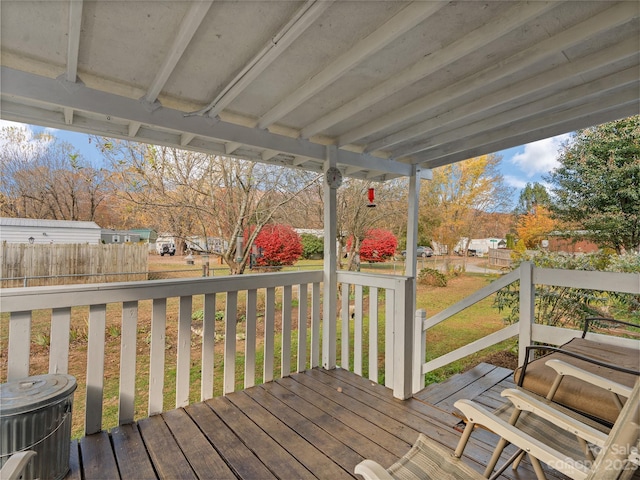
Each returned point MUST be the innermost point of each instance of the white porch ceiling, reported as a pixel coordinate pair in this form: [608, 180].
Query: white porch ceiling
[390, 84]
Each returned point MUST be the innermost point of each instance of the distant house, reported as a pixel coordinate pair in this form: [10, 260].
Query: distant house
[38, 231]
[119, 236]
[147, 235]
[571, 242]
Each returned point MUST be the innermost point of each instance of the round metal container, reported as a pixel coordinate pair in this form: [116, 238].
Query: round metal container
[35, 414]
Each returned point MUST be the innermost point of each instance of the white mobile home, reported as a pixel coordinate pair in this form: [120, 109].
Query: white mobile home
[38, 231]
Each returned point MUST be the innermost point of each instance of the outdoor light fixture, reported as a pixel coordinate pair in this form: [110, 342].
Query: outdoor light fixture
[31, 240]
[372, 196]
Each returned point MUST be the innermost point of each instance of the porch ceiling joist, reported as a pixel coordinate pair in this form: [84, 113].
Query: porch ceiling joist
[516, 16]
[190, 23]
[393, 85]
[404, 21]
[559, 105]
[519, 134]
[302, 20]
[115, 111]
[554, 80]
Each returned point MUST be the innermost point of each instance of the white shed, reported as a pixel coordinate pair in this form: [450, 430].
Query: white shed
[30, 230]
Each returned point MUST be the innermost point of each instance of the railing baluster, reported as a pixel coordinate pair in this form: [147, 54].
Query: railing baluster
[95, 369]
[19, 345]
[269, 326]
[344, 336]
[183, 363]
[285, 359]
[373, 334]
[231, 315]
[156, 355]
[302, 327]
[357, 331]
[208, 345]
[128, 336]
[59, 340]
[315, 325]
[388, 339]
[250, 339]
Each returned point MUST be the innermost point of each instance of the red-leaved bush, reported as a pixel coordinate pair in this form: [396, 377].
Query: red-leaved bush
[280, 245]
[377, 246]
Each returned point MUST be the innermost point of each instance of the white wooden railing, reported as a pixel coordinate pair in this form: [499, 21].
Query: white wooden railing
[398, 325]
[56, 304]
[20, 303]
[404, 331]
[526, 329]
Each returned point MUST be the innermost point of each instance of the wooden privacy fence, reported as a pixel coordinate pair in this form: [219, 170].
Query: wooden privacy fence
[499, 257]
[63, 264]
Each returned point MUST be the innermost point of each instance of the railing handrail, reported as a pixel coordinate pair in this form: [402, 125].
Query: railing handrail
[33, 298]
[525, 328]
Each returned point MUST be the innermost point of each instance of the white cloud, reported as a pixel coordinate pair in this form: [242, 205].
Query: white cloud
[541, 156]
[514, 181]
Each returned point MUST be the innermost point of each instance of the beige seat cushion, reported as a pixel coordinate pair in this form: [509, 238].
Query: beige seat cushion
[579, 395]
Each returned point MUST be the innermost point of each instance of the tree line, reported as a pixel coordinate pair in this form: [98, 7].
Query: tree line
[187, 193]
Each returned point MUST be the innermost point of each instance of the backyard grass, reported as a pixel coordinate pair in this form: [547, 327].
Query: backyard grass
[471, 324]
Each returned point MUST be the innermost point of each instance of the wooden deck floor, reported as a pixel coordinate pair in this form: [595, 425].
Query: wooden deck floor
[317, 424]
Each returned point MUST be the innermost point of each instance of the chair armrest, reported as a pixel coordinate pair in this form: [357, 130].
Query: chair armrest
[566, 369]
[479, 415]
[14, 468]
[589, 320]
[371, 470]
[530, 348]
[522, 401]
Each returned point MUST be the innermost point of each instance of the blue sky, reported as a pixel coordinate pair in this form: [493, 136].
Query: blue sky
[527, 163]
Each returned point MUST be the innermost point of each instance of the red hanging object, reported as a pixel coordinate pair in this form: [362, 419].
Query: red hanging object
[372, 196]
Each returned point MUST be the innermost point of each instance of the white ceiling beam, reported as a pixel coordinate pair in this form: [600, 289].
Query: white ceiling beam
[68, 116]
[518, 62]
[299, 161]
[73, 39]
[133, 128]
[268, 154]
[302, 20]
[185, 139]
[402, 22]
[562, 100]
[517, 94]
[430, 160]
[188, 27]
[475, 40]
[349, 171]
[534, 124]
[36, 88]
[231, 147]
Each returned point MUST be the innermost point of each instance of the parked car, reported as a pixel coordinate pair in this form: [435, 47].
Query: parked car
[168, 248]
[421, 252]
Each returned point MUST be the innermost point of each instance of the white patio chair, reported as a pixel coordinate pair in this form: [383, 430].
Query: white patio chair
[14, 468]
[617, 456]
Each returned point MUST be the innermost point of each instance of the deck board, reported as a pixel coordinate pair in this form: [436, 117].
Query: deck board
[316, 424]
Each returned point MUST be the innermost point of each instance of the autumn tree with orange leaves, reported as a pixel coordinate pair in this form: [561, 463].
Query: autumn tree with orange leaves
[534, 226]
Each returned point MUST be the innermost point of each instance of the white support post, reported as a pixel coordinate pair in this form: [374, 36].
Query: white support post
[403, 339]
[412, 223]
[330, 267]
[419, 349]
[527, 309]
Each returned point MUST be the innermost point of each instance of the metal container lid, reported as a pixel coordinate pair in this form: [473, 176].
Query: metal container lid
[33, 393]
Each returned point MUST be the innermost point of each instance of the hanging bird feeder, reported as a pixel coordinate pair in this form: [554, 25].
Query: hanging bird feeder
[372, 196]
